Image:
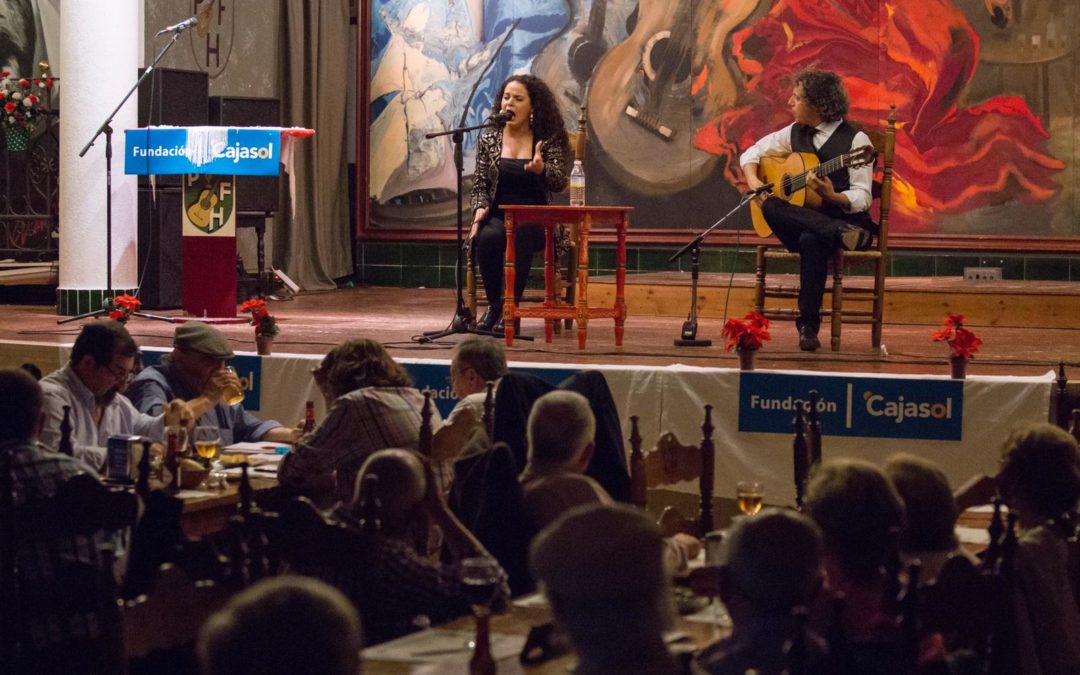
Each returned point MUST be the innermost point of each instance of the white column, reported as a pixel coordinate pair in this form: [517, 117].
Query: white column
[100, 41]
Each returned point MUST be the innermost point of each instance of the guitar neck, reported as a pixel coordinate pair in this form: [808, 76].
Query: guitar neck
[824, 169]
[596, 20]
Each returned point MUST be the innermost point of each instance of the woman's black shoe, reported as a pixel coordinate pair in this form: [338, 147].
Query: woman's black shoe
[491, 316]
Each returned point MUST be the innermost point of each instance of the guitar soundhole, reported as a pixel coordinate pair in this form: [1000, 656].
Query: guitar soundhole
[583, 57]
[660, 54]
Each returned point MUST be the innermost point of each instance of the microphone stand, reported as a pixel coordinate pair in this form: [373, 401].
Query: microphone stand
[690, 326]
[463, 319]
[106, 129]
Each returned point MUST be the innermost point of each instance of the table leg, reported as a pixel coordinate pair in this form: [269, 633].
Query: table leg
[583, 282]
[549, 278]
[620, 280]
[508, 280]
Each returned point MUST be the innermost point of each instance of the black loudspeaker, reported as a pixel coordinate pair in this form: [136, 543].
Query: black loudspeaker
[253, 193]
[174, 98]
[160, 248]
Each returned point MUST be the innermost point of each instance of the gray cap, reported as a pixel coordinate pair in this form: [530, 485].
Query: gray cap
[196, 336]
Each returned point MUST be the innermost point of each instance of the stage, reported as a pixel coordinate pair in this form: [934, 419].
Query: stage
[667, 387]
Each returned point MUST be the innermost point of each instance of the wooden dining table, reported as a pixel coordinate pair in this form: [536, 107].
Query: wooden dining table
[207, 511]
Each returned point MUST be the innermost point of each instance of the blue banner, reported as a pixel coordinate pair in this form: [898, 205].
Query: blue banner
[245, 152]
[435, 379]
[248, 369]
[875, 407]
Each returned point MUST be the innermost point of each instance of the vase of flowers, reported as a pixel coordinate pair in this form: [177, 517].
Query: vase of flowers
[962, 343]
[122, 307]
[22, 108]
[745, 336]
[266, 328]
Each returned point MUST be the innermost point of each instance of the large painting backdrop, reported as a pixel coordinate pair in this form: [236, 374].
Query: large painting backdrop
[987, 92]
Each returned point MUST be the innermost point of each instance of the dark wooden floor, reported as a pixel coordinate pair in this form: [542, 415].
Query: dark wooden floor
[315, 322]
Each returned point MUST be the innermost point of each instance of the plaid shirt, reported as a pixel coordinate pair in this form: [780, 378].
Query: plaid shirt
[38, 474]
[357, 425]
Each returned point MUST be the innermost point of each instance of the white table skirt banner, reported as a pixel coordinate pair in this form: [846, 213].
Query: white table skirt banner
[959, 424]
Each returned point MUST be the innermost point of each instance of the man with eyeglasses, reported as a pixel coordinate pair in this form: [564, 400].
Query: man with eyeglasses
[92, 384]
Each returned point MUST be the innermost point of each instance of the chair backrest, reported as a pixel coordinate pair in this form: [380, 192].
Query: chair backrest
[884, 141]
[166, 619]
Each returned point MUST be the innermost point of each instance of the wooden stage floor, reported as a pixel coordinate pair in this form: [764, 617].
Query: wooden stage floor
[313, 323]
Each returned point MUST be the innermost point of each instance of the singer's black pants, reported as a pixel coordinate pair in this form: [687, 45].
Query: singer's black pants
[490, 250]
[814, 236]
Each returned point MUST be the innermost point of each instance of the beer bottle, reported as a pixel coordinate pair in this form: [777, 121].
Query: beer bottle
[172, 458]
[66, 448]
[309, 417]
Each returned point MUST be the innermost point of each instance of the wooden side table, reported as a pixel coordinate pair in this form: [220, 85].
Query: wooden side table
[583, 218]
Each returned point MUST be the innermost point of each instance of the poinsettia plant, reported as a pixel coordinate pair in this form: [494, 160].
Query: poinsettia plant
[747, 333]
[962, 341]
[123, 306]
[265, 324]
[21, 100]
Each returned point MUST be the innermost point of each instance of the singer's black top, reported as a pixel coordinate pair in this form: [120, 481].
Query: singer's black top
[489, 151]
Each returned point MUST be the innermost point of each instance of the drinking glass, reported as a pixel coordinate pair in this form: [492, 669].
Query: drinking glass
[232, 394]
[481, 578]
[207, 443]
[751, 495]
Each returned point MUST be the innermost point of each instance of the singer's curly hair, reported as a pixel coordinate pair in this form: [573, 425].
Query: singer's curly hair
[547, 122]
[824, 92]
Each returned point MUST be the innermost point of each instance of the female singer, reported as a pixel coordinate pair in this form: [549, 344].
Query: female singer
[522, 162]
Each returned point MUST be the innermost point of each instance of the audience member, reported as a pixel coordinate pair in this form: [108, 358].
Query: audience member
[1040, 481]
[371, 405]
[772, 574]
[929, 534]
[560, 439]
[601, 567]
[410, 579]
[92, 385]
[285, 625]
[50, 641]
[477, 361]
[195, 372]
[33, 370]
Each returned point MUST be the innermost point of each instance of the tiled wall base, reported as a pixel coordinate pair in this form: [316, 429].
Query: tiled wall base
[74, 301]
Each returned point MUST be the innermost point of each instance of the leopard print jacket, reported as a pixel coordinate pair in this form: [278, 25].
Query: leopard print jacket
[488, 151]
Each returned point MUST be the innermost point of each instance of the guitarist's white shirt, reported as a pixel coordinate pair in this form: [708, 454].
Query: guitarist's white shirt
[778, 144]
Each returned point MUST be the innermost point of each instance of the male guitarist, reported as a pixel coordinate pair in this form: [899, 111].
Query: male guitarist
[819, 103]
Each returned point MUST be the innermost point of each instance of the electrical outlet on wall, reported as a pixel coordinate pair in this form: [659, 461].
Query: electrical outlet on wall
[982, 274]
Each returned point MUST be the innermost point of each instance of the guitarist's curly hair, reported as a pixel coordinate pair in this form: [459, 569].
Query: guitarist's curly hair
[824, 92]
[547, 123]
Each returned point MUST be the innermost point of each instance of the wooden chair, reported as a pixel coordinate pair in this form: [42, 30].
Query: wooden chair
[161, 627]
[885, 143]
[669, 462]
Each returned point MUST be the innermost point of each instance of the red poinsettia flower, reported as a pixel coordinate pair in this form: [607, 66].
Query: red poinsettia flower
[748, 333]
[127, 302]
[962, 341]
[118, 316]
[264, 323]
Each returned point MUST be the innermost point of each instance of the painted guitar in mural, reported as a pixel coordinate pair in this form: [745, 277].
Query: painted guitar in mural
[651, 92]
[567, 62]
[788, 178]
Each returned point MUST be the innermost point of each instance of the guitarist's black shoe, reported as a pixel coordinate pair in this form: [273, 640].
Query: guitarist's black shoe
[808, 340]
[855, 238]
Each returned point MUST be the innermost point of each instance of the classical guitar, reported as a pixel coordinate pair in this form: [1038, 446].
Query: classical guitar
[202, 209]
[651, 92]
[788, 178]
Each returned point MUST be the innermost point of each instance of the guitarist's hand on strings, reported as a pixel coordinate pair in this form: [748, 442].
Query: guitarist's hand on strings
[824, 187]
[536, 164]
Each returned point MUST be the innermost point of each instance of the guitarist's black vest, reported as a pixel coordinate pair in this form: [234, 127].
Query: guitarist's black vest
[802, 140]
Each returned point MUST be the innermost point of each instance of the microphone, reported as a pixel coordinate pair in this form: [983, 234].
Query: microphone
[501, 118]
[176, 28]
[764, 188]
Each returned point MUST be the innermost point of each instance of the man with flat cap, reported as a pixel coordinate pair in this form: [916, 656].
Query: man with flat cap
[195, 372]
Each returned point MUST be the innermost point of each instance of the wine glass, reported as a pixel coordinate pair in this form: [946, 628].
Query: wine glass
[481, 578]
[751, 495]
[207, 443]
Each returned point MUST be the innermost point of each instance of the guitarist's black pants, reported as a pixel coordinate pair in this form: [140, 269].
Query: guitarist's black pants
[814, 236]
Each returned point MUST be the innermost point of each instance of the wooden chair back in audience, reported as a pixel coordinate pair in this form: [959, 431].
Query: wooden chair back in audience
[166, 620]
[669, 462]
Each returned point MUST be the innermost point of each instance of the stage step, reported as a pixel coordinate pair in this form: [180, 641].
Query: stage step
[908, 300]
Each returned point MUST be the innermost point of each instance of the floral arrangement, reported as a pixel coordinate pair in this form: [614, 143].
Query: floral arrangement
[264, 322]
[747, 333]
[963, 342]
[123, 306]
[21, 100]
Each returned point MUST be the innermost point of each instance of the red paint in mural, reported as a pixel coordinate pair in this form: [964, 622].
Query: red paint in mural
[917, 54]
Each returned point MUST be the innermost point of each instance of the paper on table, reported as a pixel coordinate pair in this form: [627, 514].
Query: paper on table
[972, 535]
[532, 600]
[267, 459]
[442, 645]
[253, 448]
[987, 508]
[193, 494]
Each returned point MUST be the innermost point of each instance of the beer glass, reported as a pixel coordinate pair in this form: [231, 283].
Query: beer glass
[207, 443]
[751, 495]
[232, 394]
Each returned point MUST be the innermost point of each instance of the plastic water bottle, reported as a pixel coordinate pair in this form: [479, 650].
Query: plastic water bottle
[577, 184]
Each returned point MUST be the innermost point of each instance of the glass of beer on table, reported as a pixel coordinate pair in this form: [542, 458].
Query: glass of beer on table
[751, 496]
[207, 443]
